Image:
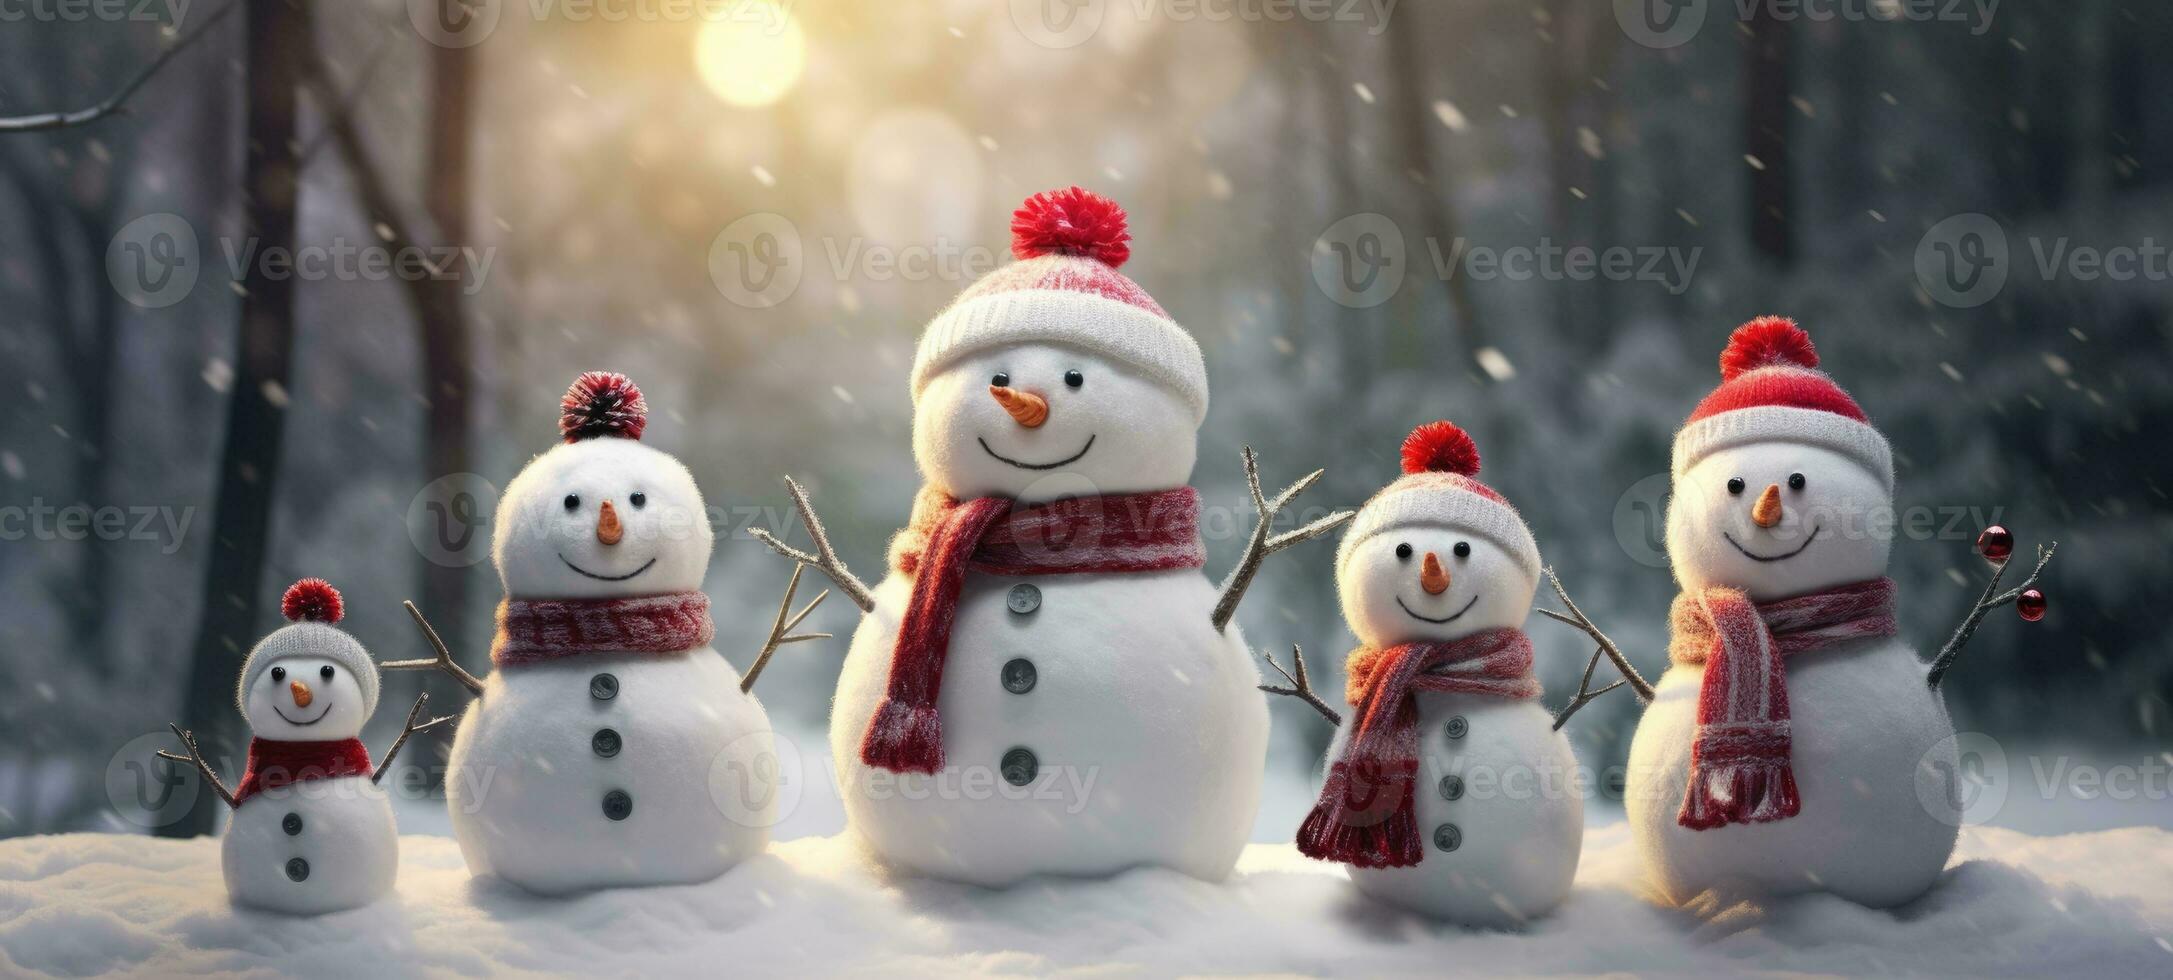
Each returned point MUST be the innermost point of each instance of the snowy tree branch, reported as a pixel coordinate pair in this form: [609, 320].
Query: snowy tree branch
[1992, 599]
[1301, 684]
[781, 629]
[117, 102]
[1264, 543]
[825, 558]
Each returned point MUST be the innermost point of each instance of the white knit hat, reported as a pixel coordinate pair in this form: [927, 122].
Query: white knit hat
[1439, 489]
[1066, 289]
[311, 606]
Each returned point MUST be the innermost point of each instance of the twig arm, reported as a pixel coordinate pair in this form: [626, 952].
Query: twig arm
[1992, 599]
[1585, 694]
[825, 558]
[1576, 617]
[196, 758]
[442, 661]
[409, 728]
[1263, 541]
[1301, 685]
[781, 629]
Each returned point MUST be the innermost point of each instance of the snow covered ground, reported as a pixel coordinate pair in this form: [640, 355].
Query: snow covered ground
[2096, 904]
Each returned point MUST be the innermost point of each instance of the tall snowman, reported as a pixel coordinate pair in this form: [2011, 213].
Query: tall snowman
[311, 831]
[1046, 683]
[1450, 792]
[1796, 742]
[611, 745]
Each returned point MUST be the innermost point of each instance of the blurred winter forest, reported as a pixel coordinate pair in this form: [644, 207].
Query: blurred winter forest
[753, 209]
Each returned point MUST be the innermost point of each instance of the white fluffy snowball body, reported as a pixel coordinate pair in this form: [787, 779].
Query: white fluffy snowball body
[319, 845]
[1107, 726]
[1873, 750]
[608, 769]
[1496, 780]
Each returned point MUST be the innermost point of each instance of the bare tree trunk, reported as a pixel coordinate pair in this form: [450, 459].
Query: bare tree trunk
[1766, 118]
[447, 356]
[278, 43]
[1414, 126]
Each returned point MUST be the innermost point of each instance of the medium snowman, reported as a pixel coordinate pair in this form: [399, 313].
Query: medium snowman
[311, 832]
[1795, 743]
[611, 745]
[1046, 683]
[1451, 792]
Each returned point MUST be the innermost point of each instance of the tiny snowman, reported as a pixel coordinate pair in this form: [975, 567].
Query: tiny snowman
[1452, 792]
[1046, 683]
[311, 832]
[612, 745]
[1796, 742]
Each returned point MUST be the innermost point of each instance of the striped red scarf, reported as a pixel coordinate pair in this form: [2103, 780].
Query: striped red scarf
[1139, 532]
[274, 764]
[535, 630]
[1739, 760]
[1367, 813]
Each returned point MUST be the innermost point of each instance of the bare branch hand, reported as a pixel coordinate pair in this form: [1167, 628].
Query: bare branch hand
[781, 629]
[825, 558]
[1301, 684]
[1264, 543]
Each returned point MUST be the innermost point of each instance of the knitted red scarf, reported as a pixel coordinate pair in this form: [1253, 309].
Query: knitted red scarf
[535, 630]
[1367, 815]
[1739, 759]
[1138, 532]
[273, 764]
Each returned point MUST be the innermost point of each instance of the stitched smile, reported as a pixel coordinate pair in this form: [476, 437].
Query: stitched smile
[1747, 554]
[607, 578]
[1447, 619]
[1037, 466]
[303, 724]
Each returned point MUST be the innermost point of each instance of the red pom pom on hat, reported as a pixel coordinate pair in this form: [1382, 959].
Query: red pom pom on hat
[312, 600]
[1073, 221]
[1440, 447]
[1765, 342]
[602, 403]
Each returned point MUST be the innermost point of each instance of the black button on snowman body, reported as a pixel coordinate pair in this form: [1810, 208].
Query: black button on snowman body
[1019, 765]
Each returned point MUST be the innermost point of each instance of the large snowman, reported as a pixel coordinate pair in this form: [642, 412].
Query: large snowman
[1046, 683]
[311, 831]
[611, 745]
[1794, 743]
[1449, 792]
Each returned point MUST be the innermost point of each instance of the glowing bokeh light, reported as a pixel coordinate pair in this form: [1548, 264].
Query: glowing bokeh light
[752, 58]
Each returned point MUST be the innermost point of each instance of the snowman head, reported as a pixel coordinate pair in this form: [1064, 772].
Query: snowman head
[1436, 555]
[308, 681]
[1057, 376]
[1782, 487]
[601, 515]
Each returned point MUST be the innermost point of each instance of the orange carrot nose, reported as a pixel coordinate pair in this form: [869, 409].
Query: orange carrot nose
[1767, 511]
[1026, 408]
[1431, 576]
[608, 529]
[302, 697]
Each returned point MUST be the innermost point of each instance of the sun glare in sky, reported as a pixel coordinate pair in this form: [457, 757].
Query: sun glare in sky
[752, 58]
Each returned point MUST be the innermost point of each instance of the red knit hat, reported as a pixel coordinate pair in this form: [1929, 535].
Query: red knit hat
[1772, 391]
[1440, 488]
[1066, 289]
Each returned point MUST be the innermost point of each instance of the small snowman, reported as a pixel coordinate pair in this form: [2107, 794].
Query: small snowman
[1796, 743]
[311, 832]
[1046, 683]
[1452, 792]
[612, 745]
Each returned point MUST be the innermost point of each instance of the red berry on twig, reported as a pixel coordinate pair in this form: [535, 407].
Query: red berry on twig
[1995, 543]
[2030, 605]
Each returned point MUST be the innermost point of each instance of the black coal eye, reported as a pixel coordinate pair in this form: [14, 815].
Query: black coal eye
[1463, 549]
[1795, 481]
[326, 673]
[1403, 550]
[573, 502]
[1001, 380]
[279, 673]
[1073, 378]
[1735, 485]
[638, 499]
